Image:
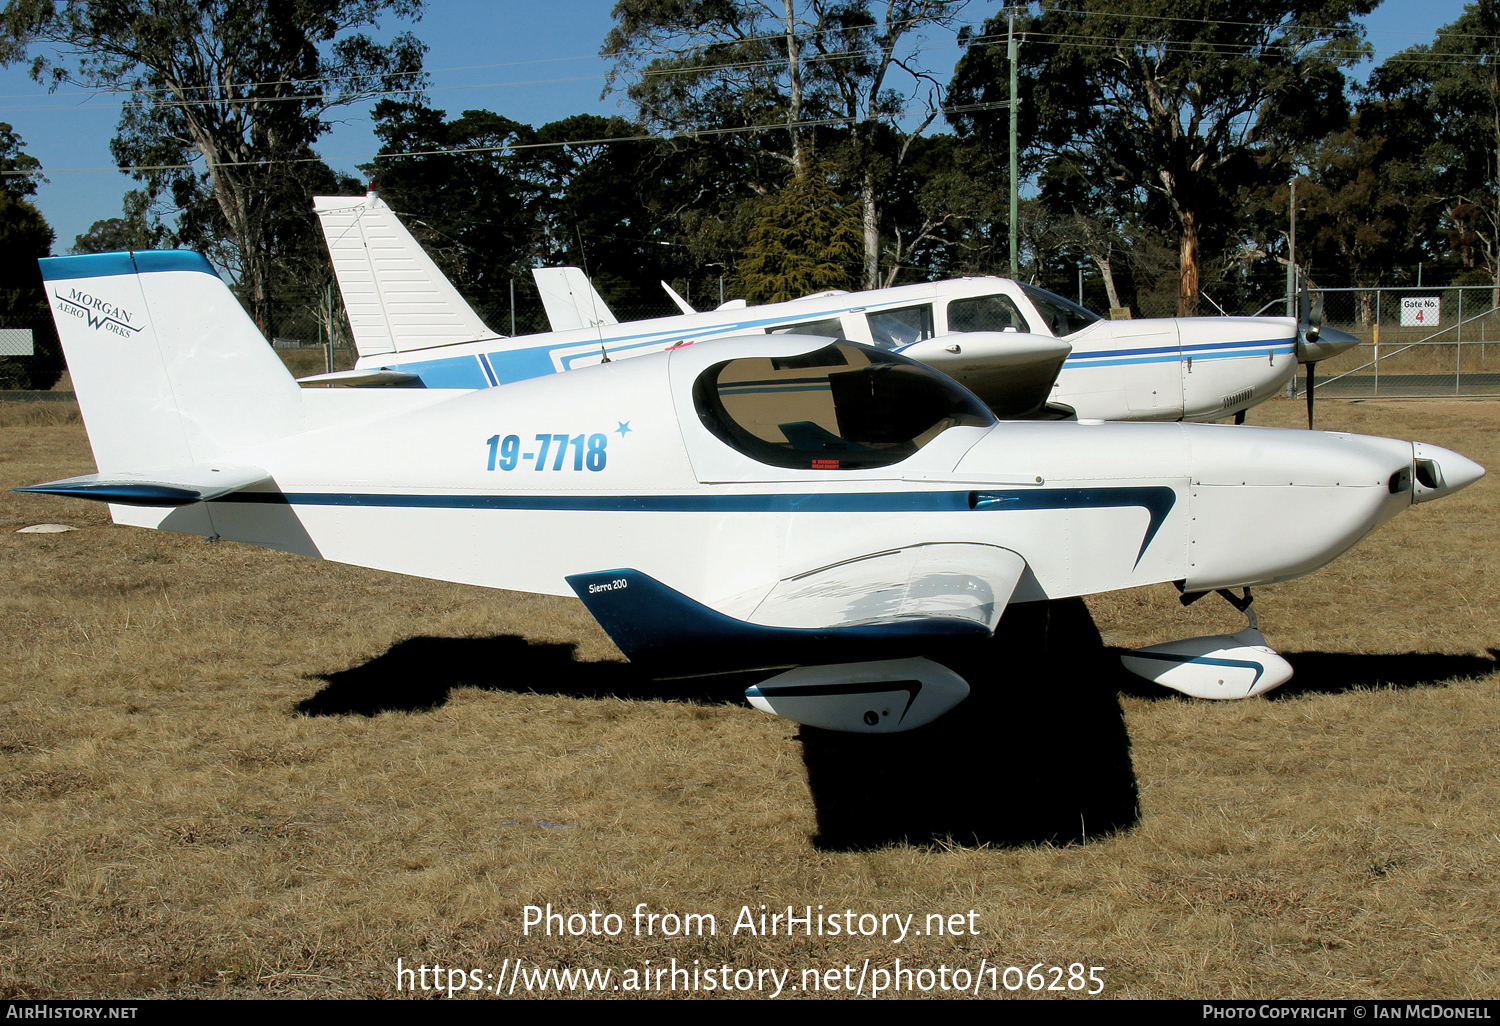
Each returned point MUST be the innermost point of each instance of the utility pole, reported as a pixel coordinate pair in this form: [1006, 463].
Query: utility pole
[1291, 277]
[1291, 256]
[1010, 52]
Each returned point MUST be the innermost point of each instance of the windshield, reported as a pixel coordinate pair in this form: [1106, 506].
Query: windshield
[1063, 316]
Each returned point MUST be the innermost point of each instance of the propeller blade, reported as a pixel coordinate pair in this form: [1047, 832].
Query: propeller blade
[1310, 317]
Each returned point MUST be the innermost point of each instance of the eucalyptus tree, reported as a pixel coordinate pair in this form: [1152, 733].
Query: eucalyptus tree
[1450, 89]
[743, 69]
[1179, 106]
[225, 98]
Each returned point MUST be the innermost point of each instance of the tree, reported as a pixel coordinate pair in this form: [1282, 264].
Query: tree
[1455, 82]
[461, 195]
[934, 208]
[1178, 106]
[805, 241]
[136, 230]
[490, 198]
[719, 66]
[722, 66]
[241, 85]
[24, 237]
[1367, 201]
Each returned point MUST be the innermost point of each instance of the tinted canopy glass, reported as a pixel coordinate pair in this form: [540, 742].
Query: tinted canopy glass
[845, 407]
[985, 313]
[892, 329]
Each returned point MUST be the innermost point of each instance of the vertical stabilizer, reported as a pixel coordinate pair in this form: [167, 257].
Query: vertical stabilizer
[396, 297]
[167, 367]
[570, 299]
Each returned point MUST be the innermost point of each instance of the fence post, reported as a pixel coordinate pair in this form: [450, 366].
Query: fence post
[328, 341]
[1377, 342]
[513, 308]
[1458, 363]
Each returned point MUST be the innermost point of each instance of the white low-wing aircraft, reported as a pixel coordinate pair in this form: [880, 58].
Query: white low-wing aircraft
[1016, 346]
[828, 509]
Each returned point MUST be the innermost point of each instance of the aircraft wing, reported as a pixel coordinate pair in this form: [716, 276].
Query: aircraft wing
[569, 299]
[173, 486]
[883, 605]
[1011, 372]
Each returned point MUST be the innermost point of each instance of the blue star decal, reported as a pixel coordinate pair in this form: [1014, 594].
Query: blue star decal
[624, 428]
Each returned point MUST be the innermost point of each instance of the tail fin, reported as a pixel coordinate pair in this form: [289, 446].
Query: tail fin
[570, 299]
[396, 297]
[167, 367]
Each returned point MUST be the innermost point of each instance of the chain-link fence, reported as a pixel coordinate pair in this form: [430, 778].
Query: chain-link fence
[1414, 342]
[40, 369]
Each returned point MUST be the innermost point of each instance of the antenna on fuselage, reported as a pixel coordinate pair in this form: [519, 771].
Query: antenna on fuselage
[583, 258]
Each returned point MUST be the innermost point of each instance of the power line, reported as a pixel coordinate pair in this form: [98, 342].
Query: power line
[690, 135]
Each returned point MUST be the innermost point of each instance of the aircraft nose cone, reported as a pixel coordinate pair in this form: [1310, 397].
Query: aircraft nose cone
[1438, 471]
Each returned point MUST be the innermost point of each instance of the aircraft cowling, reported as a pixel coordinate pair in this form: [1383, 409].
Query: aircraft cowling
[1232, 363]
[1269, 505]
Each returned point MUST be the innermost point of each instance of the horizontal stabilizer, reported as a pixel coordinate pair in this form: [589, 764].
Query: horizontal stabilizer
[658, 626]
[364, 378]
[174, 486]
[682, 304]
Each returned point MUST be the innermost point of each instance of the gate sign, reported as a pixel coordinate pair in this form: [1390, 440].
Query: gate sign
[1420, 311]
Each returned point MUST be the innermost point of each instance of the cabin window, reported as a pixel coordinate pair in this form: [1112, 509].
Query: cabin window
[985, 313]
[844, 407]
[892, 329]
[831, 327]
[1063, 316]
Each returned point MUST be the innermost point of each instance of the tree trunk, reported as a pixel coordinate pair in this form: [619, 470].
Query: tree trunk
[794, 75]
[1109, 281]
[871, 218]
[232, 191]
[1187, 293]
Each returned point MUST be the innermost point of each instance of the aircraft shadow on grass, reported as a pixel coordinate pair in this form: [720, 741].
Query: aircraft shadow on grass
[1038, 753]
[418, 674]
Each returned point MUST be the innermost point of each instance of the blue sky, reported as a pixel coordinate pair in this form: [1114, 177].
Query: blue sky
[532, 62]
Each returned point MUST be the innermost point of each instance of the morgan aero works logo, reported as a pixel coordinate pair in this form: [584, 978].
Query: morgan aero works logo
[101, 314]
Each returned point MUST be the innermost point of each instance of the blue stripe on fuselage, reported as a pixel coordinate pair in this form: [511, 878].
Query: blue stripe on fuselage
[1172, 354]
[1157, 500]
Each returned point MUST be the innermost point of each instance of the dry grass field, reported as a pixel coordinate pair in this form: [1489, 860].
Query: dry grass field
[226, 771]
